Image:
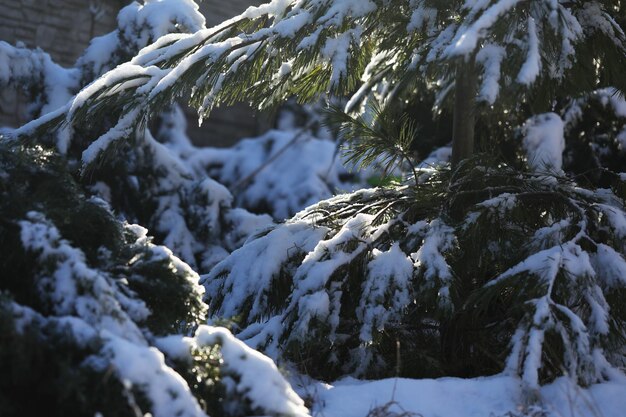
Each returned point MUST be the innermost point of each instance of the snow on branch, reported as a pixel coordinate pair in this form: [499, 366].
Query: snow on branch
[457, 256]
[312, 47]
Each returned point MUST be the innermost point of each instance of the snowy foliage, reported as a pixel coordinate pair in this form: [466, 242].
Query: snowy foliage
[188, 212]
[24, 69]
[87, 298]
[280, 172]
[475, 269]
[544, 142]
[250, 379]
[138, 26]
[581, 135]
[309, 47]
[363, 270]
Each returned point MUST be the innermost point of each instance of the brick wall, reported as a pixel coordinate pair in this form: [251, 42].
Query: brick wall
[63, 28]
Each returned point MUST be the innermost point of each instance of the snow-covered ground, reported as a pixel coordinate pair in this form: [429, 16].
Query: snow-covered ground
[496, 396]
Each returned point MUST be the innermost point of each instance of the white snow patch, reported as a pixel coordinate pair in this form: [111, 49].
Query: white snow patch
[468, 37]
[455, 397]
[544, 142]
[490, 56]
[531, 67]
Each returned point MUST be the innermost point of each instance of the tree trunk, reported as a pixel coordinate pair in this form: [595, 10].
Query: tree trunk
[464, 111]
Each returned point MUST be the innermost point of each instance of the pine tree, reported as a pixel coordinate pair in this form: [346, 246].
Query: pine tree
[95, 318]
[189, 213]
[476, 268]
[305, 48]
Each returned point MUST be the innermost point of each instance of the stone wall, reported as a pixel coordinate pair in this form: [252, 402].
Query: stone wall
[63, 28]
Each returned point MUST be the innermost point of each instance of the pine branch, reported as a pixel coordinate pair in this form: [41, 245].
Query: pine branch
[386, 139]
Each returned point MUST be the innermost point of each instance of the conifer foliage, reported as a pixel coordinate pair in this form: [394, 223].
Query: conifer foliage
[305, 48]
[188, 212]
[484, 266]
[474, 271]
[267, 173]
[97, 319]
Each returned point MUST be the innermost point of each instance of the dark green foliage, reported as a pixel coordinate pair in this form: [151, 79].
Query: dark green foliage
[165, 289]
[482, 240]
[34, 179]
[490, 286]
[386, 139]
[44, 372]
[202, 373]
[593, 149]
[82, 294]
[476, 336]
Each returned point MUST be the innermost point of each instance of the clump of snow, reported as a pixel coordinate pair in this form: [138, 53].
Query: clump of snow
[467, 37]
[610, 97]
[337, 50]
[610, 265]
[243, 369]
[429, 258]
[24, 68]
[423, 18]
[138, 25]
[388, 278]
[247, 375]
[544, 142]
[530, 70]
[490, 56]
[144, 368]
[142, 24]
